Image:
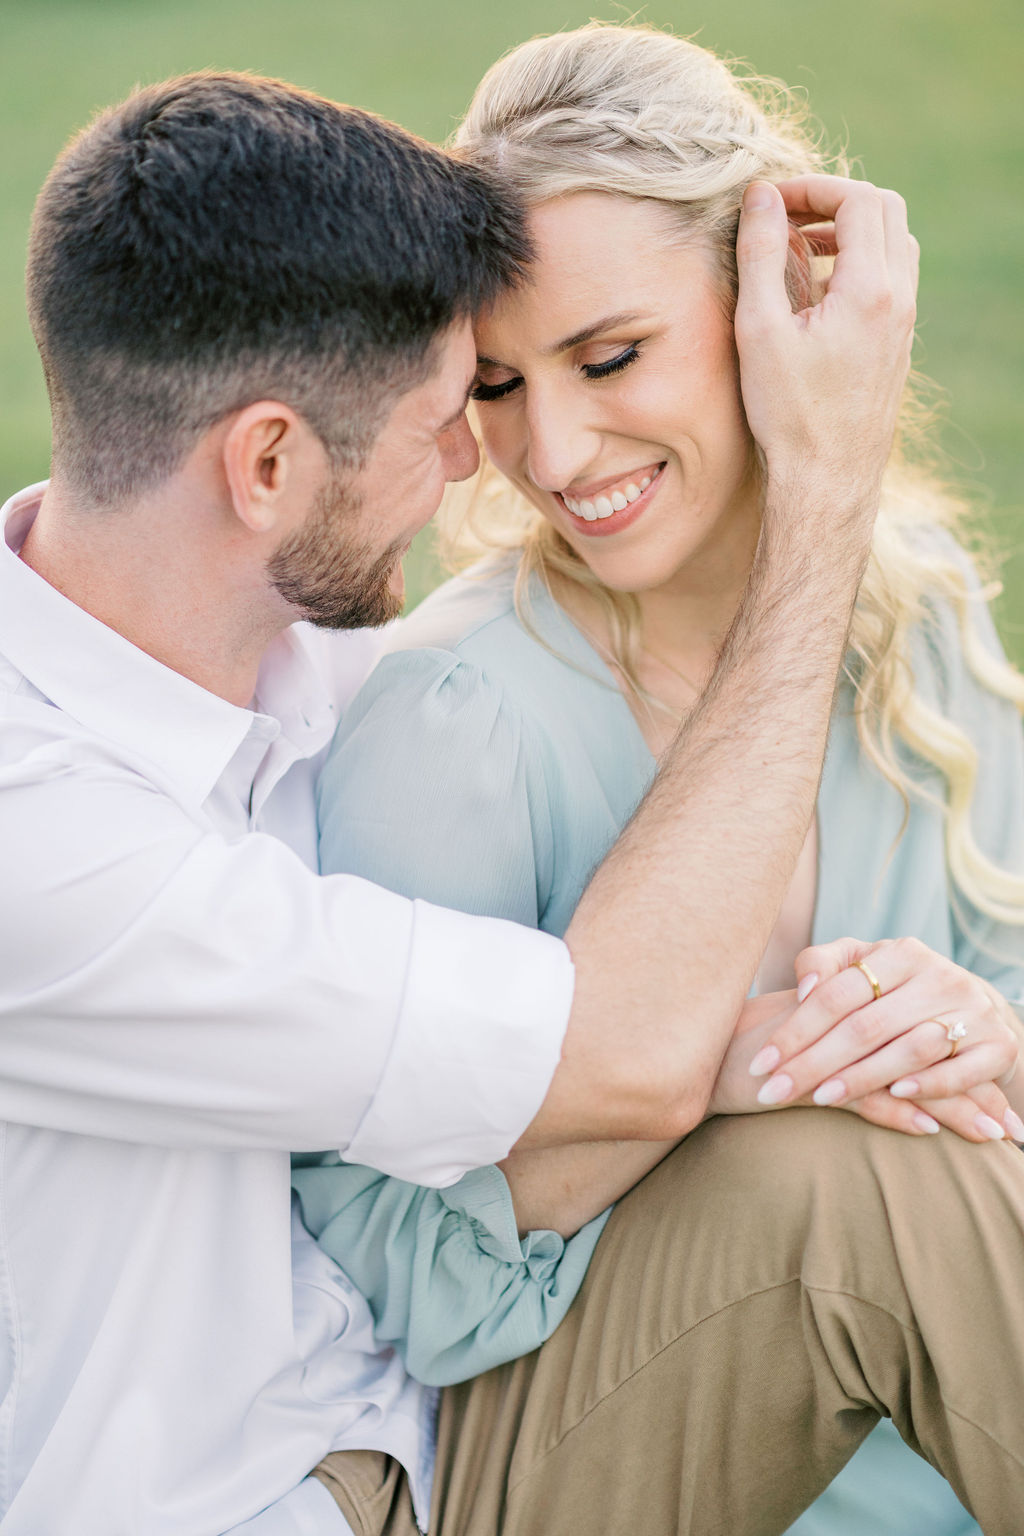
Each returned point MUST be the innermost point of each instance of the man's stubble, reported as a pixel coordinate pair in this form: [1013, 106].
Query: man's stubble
[332, 580]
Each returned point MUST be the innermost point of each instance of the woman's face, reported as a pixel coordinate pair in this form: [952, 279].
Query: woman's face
[608, 392]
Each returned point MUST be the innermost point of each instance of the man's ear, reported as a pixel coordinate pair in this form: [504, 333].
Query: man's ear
[264, 454]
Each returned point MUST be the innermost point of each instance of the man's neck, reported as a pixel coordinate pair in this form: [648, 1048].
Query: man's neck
[159, 575]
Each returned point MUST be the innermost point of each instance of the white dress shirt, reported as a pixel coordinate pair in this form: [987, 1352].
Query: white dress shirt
[183, 1000]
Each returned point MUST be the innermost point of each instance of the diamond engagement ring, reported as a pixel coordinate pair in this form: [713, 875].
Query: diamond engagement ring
[954, 1034]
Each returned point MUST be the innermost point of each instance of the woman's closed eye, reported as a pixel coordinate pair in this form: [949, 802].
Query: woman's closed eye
[614, 364]
[484, 392]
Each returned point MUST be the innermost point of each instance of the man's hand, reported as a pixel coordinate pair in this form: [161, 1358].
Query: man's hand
[822, 387]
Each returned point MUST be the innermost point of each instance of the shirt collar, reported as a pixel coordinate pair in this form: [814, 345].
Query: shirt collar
[112, 688]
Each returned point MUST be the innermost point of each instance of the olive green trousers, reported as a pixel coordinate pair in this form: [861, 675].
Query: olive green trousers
[753, 1306]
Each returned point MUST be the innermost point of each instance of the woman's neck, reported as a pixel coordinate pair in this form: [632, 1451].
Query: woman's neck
[683, 624]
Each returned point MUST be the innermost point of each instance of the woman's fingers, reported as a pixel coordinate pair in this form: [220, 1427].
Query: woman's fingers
[840, 989]
[894, 1114]
[938, 1075]
[844, 1041]
[961, 1115]
[967, 1072]
[823, 961]
[992, 1101]
[922, 1045]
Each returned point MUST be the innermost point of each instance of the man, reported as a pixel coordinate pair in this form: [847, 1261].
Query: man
[253, 312]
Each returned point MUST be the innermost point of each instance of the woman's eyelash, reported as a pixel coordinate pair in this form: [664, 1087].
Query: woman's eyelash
[614, 364]
[494, 391]
[486, 392]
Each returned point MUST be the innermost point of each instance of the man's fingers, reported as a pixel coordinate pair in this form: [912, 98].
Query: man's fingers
[819, 197]
[876, 256]
[902, 250]
[762, 248]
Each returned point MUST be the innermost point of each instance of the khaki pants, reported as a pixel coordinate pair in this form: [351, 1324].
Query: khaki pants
[752, 1308]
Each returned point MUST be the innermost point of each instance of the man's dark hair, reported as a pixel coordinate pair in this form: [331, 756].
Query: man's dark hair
[223, 238]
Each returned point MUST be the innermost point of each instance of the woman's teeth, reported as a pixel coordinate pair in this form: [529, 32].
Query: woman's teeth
[616, 501]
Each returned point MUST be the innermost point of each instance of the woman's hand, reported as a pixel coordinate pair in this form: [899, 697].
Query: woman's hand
[845, 1047]
[761, 1022]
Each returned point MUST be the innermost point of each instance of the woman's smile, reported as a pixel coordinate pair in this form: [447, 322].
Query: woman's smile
[613, 504]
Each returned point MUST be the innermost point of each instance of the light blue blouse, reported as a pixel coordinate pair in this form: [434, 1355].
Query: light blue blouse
[487, 769]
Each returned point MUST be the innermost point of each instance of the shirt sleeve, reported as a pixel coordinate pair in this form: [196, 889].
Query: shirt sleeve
[164, 984]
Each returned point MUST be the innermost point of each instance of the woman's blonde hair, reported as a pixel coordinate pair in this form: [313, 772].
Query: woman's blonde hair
[640, 113]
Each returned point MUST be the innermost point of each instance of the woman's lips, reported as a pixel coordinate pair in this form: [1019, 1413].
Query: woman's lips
[619, 519]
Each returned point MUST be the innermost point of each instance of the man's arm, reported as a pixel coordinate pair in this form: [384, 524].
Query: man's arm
[673, 925]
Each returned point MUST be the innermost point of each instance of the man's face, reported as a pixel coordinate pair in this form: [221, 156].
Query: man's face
[343, 568]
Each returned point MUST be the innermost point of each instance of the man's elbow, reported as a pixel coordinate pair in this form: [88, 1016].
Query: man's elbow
[663, 1106]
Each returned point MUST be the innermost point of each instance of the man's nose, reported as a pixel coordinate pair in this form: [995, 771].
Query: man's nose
[459, 452]
[563, 441]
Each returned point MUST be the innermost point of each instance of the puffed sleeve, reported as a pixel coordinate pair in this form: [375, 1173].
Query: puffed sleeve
[435, 787]
[450, 1283]
[981, 944]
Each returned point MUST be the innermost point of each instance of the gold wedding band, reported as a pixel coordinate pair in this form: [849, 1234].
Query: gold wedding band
[955, 1032]
[870, 976]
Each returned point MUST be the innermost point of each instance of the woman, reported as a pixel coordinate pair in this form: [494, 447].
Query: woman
[515, 730]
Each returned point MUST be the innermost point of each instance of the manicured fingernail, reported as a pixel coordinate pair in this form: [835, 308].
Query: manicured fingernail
[926, 1123]
[807, 985]
[765, 1061]
[1014, 1124]
[776, 1090]
[989, 1128]
[757, 195]
[906, 1088]
[830, 1092]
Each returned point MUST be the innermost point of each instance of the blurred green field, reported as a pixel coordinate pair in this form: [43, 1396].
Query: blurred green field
[925, 93]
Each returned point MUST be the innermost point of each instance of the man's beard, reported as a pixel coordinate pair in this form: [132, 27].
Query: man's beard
[333, 583]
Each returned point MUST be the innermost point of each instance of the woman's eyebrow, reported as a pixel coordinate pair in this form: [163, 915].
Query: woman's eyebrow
[577, 339]
[607, 323]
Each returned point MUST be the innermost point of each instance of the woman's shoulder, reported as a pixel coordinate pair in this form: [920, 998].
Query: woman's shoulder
[459, 611]
[470, 637]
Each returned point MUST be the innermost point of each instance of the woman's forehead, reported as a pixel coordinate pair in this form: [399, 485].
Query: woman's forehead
[598, 256]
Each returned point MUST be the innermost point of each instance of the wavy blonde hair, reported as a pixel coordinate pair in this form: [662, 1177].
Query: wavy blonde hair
[640, 113]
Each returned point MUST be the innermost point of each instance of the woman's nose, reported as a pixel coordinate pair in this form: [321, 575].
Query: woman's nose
[562, 440]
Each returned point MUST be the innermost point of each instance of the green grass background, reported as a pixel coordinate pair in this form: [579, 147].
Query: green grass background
[925, 93]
